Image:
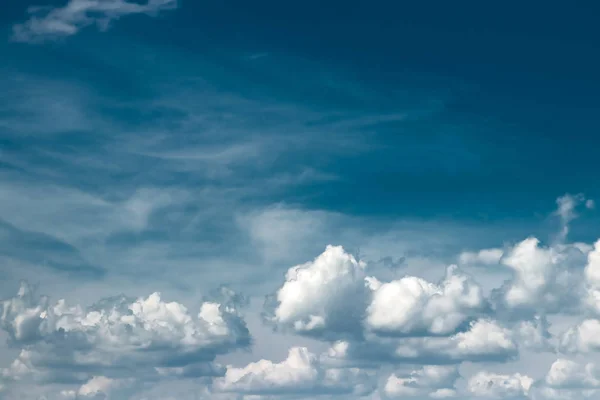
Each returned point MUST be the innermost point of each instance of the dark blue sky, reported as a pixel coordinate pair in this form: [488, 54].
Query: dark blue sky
[503, 97]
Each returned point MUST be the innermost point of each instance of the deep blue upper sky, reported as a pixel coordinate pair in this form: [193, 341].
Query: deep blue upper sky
[506, 93]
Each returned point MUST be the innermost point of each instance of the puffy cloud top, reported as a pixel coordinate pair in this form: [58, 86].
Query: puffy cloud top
[325, 295]
[545, 279]
[300, 372]
[133, 337]
[498, 386]
[414, 306]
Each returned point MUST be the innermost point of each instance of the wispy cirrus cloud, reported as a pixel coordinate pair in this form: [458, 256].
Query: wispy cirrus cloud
[52, 23]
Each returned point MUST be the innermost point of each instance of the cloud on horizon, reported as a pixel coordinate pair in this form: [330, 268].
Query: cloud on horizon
[119, 347]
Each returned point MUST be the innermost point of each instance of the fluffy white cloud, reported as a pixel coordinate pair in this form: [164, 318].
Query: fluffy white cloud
[326, 295]
[300, 373]
[50, 23]
[497, 386]
[544, 278]
[117, 338]
[332, 296]
[430, 381]
[413, 306]
[120, 346]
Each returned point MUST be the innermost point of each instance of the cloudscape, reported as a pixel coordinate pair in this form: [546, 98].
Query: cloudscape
[271, 200]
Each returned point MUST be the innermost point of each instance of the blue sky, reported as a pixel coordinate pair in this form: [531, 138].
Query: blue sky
[196, 148]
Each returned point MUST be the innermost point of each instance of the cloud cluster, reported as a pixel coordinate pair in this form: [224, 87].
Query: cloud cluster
[407, 320]
[301, 373]
[431, 381]
[403, 337]
[116, 340]
[51, 23]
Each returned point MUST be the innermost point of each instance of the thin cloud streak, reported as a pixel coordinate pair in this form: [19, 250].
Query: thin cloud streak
[54, 23]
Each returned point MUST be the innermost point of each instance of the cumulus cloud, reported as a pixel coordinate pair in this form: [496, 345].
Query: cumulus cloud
[323, 297]
[497, 386]
[408, 320]
[430, 381]
[116, 338]
[300, 373]
[51, 23]
[412, 306]
[545, 279]
[332, 296]
[382, 339]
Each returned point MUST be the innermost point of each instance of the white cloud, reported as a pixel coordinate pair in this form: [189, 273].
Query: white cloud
[429, 381]
[332, 295]
[116, 338]
[51, 23]
[544, 278]
[326, 295]
[300, 373]
[498, 386]
[412, 305]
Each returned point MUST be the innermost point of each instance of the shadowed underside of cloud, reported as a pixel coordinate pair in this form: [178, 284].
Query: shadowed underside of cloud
[52, 23]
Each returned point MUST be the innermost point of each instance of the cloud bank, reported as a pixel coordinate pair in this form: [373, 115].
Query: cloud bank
[405, 337]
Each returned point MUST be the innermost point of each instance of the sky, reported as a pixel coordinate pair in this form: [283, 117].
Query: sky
[230, 200]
